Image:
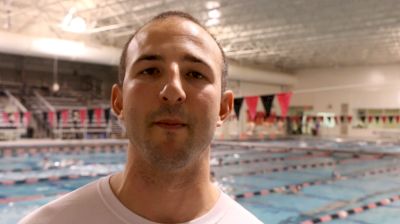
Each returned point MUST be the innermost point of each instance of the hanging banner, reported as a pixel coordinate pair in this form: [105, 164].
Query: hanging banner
[267, 101]
[336, 119]
[97, 114]
[82, 115]
[349, 119]
[44, 115]
[321, 119]
[397, 119]
[237, 105]
[342, 119]
[284, 101]
[107, 114]
[251, 102]
[64, 116]
[58, 115]
[377, 119]
[90, 115]
[390, 119]
[50, 116]
[362, 118]
[384, 118]
[27, 118]
[370, 118]
[329, 118]
[5, 117]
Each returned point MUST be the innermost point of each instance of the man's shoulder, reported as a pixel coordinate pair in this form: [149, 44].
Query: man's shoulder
[65, 207]
[238, 214]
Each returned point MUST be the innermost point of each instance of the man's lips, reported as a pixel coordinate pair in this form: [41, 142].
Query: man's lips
[170, 123]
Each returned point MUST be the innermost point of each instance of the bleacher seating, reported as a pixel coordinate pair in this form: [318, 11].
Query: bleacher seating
[61, 115]
[11, 123]
[75, 117]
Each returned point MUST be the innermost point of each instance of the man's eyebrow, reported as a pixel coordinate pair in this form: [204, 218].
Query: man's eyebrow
[149, 57]
[186, 57]
[194, 59]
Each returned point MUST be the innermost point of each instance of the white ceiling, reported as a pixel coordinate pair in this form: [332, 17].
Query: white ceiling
[285, 35]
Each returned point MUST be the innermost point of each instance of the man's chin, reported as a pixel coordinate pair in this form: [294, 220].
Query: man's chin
[169, 163]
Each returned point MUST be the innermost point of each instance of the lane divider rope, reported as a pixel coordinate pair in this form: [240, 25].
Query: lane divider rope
[295, 187]
[34, 180]
[28, 151]
[346, 213]
[263, 192]
[267, 159]
[276, 169]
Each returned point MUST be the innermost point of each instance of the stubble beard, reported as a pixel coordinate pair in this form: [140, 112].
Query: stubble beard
[183, 152]
[172, 159]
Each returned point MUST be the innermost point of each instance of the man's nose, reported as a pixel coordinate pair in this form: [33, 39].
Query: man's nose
[172, 91]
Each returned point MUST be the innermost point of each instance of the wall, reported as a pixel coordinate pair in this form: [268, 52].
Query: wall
[91, 78]
[359, 87]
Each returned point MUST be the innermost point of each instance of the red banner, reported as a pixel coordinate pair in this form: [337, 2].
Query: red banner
[97, 114]
[284, 101]
[64, 117]
[27, 118]
[251, 102]
[82, 113]
[349, 119]
[51, 118]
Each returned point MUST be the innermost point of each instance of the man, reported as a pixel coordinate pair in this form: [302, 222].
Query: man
[171, 97]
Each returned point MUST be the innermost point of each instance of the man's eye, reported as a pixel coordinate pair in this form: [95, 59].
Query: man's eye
[195, 75]
[150, 71]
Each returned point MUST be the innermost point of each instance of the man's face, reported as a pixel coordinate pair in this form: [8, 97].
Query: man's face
[171, 94]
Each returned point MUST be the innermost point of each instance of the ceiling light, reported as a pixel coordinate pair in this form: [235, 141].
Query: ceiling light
[77, 25]
[214, 14]
[212, 4]
[55, 87]
[73, 23]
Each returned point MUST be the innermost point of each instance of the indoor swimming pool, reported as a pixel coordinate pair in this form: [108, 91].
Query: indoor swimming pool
[292, 181]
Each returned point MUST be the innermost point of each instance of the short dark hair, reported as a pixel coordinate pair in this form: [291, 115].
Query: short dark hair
[163, 16]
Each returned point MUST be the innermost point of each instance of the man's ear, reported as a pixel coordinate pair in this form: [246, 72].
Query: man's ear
[225, 107]
[116, 101]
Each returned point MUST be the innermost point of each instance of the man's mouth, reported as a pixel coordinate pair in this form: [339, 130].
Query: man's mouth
[170, 123]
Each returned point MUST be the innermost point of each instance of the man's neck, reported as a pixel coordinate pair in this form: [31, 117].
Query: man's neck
[166, 197]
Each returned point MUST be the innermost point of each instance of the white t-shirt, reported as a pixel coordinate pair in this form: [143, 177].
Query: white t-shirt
[96, 203]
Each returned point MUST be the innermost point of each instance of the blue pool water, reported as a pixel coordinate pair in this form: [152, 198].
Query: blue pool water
[355, 187]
